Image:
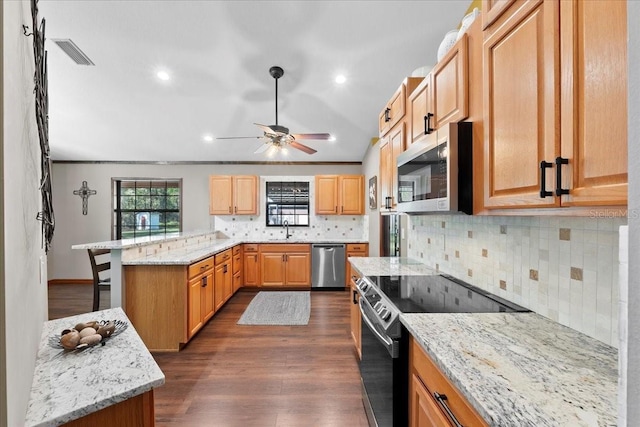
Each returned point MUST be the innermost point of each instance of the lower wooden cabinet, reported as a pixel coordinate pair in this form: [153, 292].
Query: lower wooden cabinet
[430, 391]
[356, 319]
[251, 270]
[237, 264]
[200, 296]
[223, 279]
[354, 250]
[137, 411]
[285, 265]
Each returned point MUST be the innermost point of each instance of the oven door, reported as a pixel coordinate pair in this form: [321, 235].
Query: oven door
[377, 367]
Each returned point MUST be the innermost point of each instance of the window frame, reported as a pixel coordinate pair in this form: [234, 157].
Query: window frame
[268, 203]
[116, 216]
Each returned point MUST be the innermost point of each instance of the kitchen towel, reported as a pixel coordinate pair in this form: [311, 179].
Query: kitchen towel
[278, 308]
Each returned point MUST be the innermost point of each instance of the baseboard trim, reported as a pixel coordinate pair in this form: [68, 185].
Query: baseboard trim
[70, 282]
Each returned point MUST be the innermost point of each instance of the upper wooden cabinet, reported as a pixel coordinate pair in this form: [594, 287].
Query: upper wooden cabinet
[390, 147]
[394, 110]
[339, 194]
[555, 105]
[493, 9]
[233, 195]
[443, 96]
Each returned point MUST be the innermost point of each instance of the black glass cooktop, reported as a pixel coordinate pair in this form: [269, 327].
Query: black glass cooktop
[440, 294]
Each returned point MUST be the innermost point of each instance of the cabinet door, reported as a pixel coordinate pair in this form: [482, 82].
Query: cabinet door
[493, 9]
[450, 79]
[251, 272]
[237, 281]
[385, 172]
[397, 105]
[207, 303]
[396, 140]
[356, 324]
[194, 308]
[218, 281]
[228, 281]
[594, 102]
[272, 269]
[326, 194]
[424, 409]
[298, 269]
[384, 119]
[245, 195]
[352, 195]
[521, 99]
[420, 105]
[220, 195]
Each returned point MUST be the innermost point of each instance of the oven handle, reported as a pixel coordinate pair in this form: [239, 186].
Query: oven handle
[389, 344]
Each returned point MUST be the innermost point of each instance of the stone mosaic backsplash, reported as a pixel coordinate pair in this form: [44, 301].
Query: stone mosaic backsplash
[564, 268]
[320, 226]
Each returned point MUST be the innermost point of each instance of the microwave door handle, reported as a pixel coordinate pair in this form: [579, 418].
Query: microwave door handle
[390, 345]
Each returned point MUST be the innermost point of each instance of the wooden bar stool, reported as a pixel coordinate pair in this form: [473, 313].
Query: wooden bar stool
[102, 264]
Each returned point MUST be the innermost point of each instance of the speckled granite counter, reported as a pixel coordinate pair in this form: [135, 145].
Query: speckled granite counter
[70, 385]
[376, 266]
[522, 369]
[140, 241]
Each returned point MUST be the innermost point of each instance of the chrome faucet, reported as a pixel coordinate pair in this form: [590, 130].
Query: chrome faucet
[285, 224]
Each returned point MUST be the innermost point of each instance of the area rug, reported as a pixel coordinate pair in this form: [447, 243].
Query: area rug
[278, 308]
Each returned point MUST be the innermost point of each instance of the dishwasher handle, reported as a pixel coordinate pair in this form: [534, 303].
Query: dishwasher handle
[327, 246]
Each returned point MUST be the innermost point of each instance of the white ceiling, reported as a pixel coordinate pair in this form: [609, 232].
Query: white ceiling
[219, 54]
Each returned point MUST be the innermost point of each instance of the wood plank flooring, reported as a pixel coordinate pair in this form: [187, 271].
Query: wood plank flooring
[242, 375]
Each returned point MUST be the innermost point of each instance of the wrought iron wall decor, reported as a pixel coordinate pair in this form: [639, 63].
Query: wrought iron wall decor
[46, 215]
[84, 191]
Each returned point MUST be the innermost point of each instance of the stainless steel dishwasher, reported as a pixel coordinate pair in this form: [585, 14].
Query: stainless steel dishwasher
[327, 266]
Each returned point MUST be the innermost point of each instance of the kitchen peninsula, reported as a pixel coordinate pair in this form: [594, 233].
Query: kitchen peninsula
[171, 286]
[513, 369]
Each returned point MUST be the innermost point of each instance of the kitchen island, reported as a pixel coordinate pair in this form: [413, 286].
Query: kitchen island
[514, 369]
[95, 386]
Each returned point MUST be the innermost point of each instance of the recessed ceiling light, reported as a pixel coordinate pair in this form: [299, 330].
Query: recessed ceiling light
[207, 138]
[341, 78]
[163, 75]
[332, 138]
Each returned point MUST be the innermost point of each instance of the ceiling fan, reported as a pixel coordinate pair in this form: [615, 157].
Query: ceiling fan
[277, 136]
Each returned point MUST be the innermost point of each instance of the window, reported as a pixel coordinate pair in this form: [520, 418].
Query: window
[287, 201]
[146, 207]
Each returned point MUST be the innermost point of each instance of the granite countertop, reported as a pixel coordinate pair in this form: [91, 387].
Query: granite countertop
[68, 385]
[140, 241]
[515, 369]
[194, 253]
[520, 369]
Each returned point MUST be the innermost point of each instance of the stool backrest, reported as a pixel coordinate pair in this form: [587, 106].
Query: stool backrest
[98, 265]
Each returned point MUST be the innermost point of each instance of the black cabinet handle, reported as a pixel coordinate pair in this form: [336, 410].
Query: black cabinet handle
[427, 124]
[204, 282]
[442, 400]
[355, 294]
[224, 268]
[543, 179]
[387, 116]
[559, 162]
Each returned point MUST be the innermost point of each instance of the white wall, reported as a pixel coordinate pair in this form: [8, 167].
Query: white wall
[25, 301]
[633, 324]
[73, 228]
[371, 168]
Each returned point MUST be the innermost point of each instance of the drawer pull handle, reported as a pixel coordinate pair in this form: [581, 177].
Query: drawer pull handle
[442, 400]
[204, 282]
[559, 162]
[543, 179]
[355, 294]
[387, 116]
[427, 124]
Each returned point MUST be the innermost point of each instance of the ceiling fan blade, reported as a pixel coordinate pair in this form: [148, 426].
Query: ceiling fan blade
[319, 136]
[239, 137]
[265, 128]
[302, 147]
[264, 147]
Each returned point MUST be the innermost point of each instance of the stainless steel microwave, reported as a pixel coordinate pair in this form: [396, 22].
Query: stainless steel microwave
[436, 174]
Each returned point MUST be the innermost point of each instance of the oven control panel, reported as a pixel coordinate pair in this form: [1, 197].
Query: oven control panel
[384, 312]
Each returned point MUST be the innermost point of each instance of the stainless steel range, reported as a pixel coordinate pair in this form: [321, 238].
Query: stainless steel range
[384, 363]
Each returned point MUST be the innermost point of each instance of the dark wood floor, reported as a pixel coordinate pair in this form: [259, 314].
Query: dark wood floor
[239, 375]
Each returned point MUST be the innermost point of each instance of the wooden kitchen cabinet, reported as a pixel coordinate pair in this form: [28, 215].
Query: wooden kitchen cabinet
[392, 146]
[426, 382]
[339, 194]
[556, 97]
[394, 111]
[443, 96]
[223, 278]
[233, 195]
[200, 306]
[237, 264]
[251, 267]
[493, 9]
[283, 265]
[354, 250]
[355, 316]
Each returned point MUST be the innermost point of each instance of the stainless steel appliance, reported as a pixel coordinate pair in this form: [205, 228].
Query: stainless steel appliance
[384, 364]
[327, 266]
[436, 175]
[392, 239]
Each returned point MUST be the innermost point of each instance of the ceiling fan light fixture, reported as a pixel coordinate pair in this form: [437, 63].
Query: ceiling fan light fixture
[340, 79]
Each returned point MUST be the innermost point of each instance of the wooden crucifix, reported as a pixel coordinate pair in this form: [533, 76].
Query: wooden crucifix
[84, 191]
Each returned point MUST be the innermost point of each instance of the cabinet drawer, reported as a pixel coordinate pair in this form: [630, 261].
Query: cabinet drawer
[223, 256]
[357, 247]
[285, 248]
[237, 263]
[236, 249]
[250, 247]
[435, 382]
[200, 267]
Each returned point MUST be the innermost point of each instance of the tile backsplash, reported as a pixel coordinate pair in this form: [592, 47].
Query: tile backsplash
[564, 268]
[320, 226]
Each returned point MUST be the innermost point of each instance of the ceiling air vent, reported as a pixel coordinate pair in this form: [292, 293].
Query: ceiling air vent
[74, 52]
